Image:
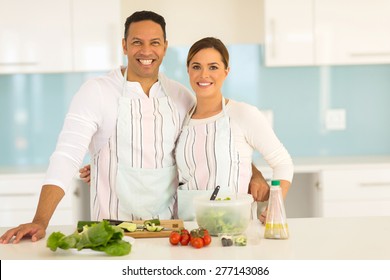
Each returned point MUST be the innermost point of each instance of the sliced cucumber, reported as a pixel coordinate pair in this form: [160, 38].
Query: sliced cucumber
[153, 227]
[131, 227]
[159, 228]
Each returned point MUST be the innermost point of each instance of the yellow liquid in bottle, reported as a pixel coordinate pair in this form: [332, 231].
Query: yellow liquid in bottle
[276, 231]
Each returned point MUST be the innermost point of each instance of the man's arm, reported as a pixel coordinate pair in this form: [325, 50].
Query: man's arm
[259, 189]
[50, 197]
[258, 186]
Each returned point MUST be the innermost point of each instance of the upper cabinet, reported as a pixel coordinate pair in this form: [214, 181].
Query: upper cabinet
[97, 35]
[288, 32]
[352, 31]
[326, 32]
[48, 36]
[35, 36]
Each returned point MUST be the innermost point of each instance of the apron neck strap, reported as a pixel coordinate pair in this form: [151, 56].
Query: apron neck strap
[161, 79]
[191, 112]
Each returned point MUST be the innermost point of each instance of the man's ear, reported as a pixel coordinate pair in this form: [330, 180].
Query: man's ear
[165, 47]
[124, 46]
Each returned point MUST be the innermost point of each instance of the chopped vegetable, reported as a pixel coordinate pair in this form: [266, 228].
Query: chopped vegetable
[153, 225]
[226, 241]
[240, 240]
[153, 221]
[131, 227]
[222, 220]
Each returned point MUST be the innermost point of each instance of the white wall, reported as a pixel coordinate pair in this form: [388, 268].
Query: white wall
[232, 21]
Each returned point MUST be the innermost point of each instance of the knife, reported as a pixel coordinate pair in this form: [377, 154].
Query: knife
[118, 222]
[214, 194]
[139, 226]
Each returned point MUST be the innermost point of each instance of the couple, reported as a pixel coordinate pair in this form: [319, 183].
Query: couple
[131, 119]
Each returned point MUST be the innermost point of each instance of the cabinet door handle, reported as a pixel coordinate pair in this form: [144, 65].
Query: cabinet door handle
[375, 184]
[271, 38]
[17, 194]
[369, 54]
[18, 63]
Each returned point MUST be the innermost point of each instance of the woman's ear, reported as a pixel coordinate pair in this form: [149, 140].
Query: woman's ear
[227, 70]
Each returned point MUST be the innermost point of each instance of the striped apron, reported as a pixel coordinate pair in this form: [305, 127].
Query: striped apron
[143, 173]
[206, 158]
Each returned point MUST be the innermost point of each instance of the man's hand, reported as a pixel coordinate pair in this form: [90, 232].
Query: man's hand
[33, 230]
[85, 173]
[258, 186]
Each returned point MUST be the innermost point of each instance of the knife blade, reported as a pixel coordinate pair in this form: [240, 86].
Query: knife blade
[118, 222]
[139, 226]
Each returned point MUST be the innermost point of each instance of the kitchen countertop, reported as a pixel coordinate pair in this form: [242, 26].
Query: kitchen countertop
[310, 239]
[317, 164]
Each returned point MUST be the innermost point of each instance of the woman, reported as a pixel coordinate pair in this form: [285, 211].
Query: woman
[219, 135]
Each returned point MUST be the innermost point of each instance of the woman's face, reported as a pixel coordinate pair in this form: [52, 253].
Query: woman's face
[207, 72]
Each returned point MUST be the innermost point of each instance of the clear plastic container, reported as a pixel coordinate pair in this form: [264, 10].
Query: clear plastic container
[276, 223]
[230, 216]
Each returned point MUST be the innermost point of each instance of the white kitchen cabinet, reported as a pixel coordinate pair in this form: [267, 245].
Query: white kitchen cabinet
[96, 35]
[35, 36]
[354, 191]
[288, 32]
[352, 31]
[48, 36]
[326, 32]
[19, 195]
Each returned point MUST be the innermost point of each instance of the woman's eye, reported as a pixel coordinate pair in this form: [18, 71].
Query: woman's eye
[196, 67]
[213, 67]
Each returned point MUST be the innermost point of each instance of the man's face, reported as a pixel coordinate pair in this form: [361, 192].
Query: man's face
[145, 49]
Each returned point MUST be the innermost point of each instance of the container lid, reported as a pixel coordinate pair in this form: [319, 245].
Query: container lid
[275, 183]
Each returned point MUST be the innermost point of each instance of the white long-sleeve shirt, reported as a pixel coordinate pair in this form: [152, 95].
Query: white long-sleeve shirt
[91, 122]
[250, 131]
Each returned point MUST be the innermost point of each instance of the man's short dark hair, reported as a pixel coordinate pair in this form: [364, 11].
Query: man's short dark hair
[145, 15]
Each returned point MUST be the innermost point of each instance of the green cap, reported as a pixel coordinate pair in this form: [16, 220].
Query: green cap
[275, 183]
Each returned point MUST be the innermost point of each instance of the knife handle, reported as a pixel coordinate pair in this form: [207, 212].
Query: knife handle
[113, 222]
[215, 192]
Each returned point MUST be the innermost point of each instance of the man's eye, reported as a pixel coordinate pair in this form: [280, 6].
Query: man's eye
[136, 43]
[156, 43]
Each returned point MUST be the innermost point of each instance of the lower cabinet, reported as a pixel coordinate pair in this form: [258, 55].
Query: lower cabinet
[19, 195]
[355, 191]
[337, 190]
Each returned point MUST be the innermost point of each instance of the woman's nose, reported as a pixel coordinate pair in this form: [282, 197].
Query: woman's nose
[204, 73]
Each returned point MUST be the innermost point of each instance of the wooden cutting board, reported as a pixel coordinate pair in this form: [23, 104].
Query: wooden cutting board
[169, 224]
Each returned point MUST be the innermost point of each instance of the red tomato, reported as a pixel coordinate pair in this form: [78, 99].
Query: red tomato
[184, 231]
[174, 238]
[203, 232]
[206, 240]
[197, 242]
[184, 239]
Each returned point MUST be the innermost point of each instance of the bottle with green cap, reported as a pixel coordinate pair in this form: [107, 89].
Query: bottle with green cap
[276, 223]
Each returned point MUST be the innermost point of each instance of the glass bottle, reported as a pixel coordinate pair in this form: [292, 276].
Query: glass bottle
[275, 223]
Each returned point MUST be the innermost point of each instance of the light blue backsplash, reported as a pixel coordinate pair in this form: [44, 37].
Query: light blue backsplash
[33, 106]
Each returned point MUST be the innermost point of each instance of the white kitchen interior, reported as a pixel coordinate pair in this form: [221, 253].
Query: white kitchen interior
[319, 69]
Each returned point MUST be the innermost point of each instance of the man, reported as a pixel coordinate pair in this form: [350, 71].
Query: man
[129, 120]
